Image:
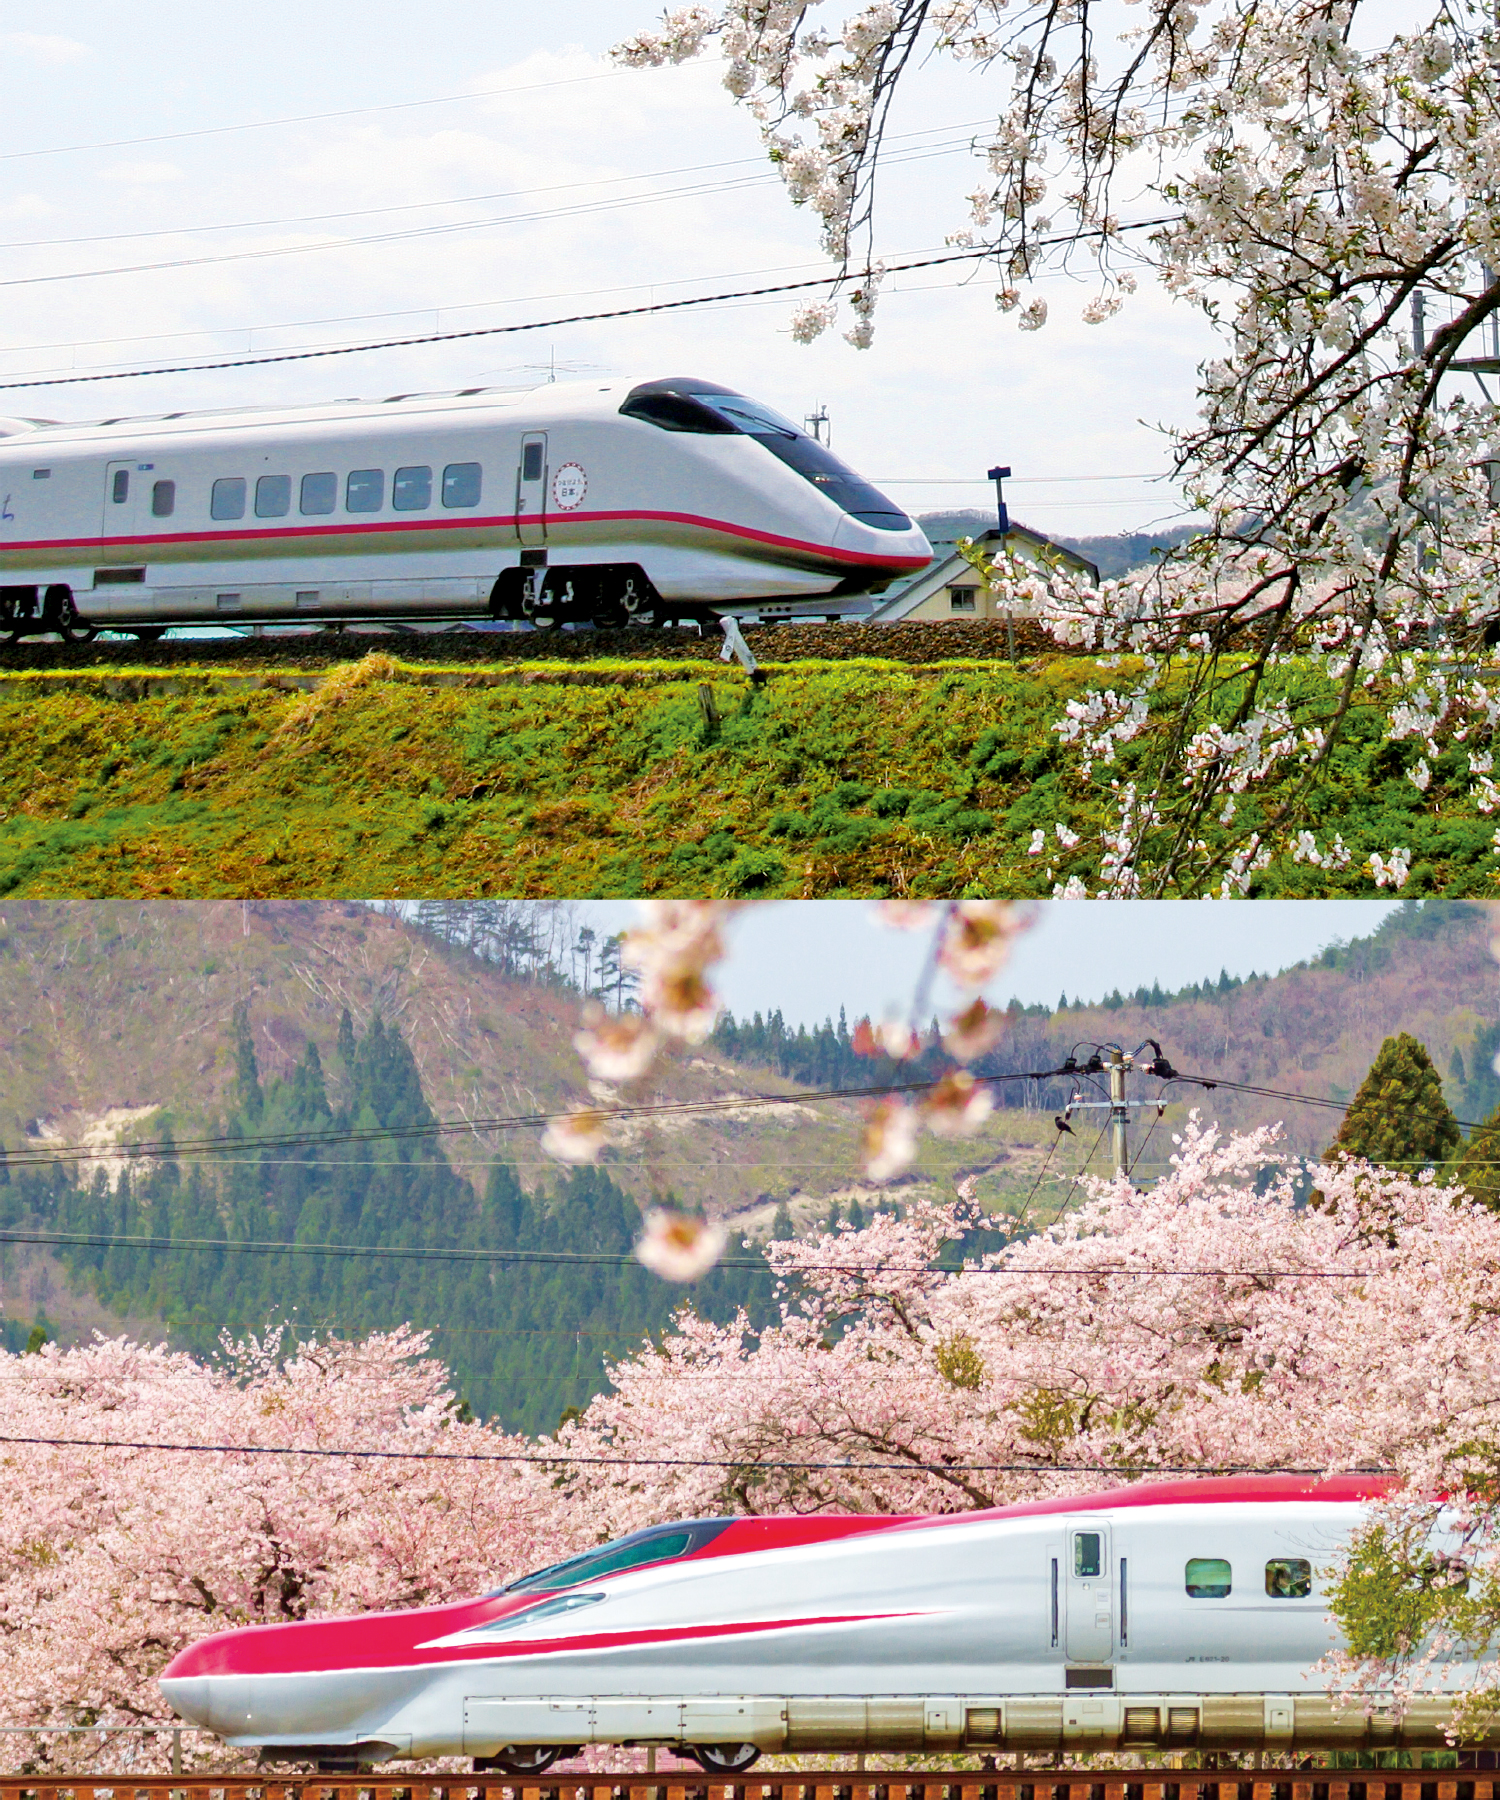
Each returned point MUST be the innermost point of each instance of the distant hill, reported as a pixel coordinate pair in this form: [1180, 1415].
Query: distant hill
[123, 1019]
[1112, 556]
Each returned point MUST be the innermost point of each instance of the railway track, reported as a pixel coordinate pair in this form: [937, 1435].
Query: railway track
[831, 1784]
[936, 641]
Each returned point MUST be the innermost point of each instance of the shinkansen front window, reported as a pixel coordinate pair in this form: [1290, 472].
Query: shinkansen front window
[702, 407]
[661, 1543]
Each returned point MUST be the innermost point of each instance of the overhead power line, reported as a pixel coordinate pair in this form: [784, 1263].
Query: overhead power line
[624, 1258]
[165, 1147]
[846, 1465]
[623, 312]
[350, 112]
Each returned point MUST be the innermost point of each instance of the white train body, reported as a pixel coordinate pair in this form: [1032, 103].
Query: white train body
[1186, 1615]
[550, 504]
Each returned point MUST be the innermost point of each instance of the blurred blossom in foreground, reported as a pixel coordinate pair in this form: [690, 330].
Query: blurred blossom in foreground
[890, 1139]
[976, 939]
[905, 915]
[957, 1105]
[973, 1032]
[576, 1137]
[892, 1037]
[677, 1247]
[615, 1046]
[672, 947]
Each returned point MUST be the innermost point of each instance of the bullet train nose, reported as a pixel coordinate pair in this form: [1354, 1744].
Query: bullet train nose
[190, 1698]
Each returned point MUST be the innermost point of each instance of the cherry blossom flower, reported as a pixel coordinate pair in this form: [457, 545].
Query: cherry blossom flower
[677, 1246]
[977, 937]
[973, 1032]
[577, 1137]
[615, 1046]
[958, 1105]
[890, 1139]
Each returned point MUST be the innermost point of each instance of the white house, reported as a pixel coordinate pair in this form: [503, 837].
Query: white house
[951, 588]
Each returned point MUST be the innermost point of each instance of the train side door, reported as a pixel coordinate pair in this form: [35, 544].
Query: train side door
[531, 489]
[124, 486]
[1090, 1612]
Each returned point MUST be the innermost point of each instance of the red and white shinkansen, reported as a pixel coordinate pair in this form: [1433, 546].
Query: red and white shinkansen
[602, 501]
[1183, 1614]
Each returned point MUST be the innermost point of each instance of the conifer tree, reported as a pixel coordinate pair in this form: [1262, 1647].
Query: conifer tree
[1479, 1166]
[248, 1096]
[1399, 1117]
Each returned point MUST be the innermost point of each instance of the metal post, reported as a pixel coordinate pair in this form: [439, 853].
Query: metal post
[1117, 1113]
[176, 1749]
[1418, 322]
[1000, 477]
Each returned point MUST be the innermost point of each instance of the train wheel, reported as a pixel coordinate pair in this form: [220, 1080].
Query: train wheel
[70, 627]
[724, 1759]
[522, 1759]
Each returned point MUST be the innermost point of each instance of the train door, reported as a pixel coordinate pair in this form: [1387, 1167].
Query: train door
[531, 489]
[1089, 1611]
[124, 485]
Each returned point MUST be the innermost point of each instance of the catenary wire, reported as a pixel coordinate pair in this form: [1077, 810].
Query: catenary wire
[683, 1462]
[624, 312]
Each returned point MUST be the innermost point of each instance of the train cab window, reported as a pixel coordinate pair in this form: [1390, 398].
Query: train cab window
[1288, 1578]
[273, 496]
[411, 489]
[1088, 1553]
[1208, 1578]
[163, 499]
[656, 1544]
[227, 500]
[320, 493]
[119, 490]
[364, 491]
[462, 481]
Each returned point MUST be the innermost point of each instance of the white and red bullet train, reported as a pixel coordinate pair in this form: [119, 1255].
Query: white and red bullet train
[1183, 1614]
[601, 501]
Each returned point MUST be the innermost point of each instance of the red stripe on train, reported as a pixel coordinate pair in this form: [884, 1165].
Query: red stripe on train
[98, 545]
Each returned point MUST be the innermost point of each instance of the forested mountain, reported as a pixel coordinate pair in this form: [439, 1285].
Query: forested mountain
[525, 1340]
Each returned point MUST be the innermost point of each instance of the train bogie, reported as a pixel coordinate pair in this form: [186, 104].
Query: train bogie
[559, 505]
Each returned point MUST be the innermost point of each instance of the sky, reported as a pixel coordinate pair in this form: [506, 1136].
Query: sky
[543, 182]
[810, 957]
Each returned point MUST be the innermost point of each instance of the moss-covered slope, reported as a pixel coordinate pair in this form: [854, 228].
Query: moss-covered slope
[856, 776]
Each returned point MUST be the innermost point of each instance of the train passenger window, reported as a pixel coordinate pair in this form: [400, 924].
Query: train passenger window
[1088, 1553]
[411, 489]
[228, 498]
[120, 491]
[273, 496]
[320, 493]
[364, 491]
[531, 462]
[1288, 1578]
[163, 499]
[1208, 1578]
[461, 482]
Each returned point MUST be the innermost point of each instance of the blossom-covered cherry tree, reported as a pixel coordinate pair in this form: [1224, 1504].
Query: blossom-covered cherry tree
[1325, 189]
[113, 1559]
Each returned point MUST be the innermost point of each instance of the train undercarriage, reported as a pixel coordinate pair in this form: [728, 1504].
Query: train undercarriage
[606, 596]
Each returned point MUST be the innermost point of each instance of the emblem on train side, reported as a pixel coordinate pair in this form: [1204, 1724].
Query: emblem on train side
[569, 485]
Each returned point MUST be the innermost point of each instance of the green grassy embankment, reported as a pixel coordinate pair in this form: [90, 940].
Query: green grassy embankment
[853, 776]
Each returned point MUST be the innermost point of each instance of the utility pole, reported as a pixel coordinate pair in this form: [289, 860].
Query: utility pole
[1111, 1060]
[815, 422]
[1118, 1116]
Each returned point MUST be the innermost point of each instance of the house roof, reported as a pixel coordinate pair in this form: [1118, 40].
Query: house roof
[904, 596]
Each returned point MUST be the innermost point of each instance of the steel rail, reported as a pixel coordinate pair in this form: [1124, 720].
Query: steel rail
[1302, 1783]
